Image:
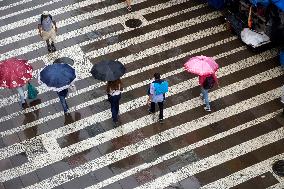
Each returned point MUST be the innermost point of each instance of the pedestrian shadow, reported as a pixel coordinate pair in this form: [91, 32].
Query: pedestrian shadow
[30, 117]
[72, 138]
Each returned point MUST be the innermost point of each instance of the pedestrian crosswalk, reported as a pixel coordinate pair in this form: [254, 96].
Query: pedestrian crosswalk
[236, 143]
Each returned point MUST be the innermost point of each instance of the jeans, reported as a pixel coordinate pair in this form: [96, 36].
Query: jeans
[63, 103]
[21, 93]
[205, 96]
[161, 107]
[114, 104]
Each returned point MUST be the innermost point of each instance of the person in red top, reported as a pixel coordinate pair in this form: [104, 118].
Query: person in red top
[204, 92]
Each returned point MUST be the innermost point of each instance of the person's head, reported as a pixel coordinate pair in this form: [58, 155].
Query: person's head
[157, 76]
[45, 14]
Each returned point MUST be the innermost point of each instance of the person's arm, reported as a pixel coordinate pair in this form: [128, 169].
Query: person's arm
[150, 96]
[216, 79]
[55, 27]
[40, 29]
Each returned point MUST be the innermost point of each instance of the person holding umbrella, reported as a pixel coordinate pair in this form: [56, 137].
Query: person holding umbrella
[205, 68]
[111, 71]
[58, 77]
[15, 73]
[113, 90]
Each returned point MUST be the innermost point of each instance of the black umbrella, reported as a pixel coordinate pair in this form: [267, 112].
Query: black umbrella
[108, 70]
[65, 60]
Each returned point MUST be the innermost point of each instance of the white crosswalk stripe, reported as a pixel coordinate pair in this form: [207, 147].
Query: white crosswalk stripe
[201, 28]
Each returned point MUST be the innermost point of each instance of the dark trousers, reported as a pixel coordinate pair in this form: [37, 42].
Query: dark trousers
[63, 103]
[114, 106]
[161, 107]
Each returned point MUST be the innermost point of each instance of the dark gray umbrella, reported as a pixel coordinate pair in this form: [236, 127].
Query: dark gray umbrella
[108, 70]
[64, 60]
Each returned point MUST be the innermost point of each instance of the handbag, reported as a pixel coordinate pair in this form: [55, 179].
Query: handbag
[32, 91]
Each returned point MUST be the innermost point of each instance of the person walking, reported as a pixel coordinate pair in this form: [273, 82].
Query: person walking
[128, 2]
[62, 95]
[47, 30]
[206, 83]
[156, 94]
[113, 90]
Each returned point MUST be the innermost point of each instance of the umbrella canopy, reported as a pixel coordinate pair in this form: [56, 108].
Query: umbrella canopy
[57, 77]
[201, 65]
[65, 60]
[108, 70]
[15, 73]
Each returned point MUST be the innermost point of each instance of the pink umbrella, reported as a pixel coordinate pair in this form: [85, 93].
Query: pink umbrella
[201, 65]
[15, 73]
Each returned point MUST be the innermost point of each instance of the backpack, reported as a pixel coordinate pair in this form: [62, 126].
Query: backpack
[209, 82]
[161, 87]
[32, 91]
[41, 18]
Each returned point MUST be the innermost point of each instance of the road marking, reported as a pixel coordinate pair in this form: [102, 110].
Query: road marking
[152, 141]
[214, 160]
[179, 152]
[50, 139]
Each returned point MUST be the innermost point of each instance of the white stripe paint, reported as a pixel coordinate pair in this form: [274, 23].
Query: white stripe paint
[244, 174]
[55, 12]
[150, 142]
[90, 15]
[62, 52]
[153, 34]
[277, 186]
[28, 9]
[50, 142]
[64, 130]
[132, 87]
[179, 152]
[14, 4]
[214, 160]
[147, 52]
[128, 74]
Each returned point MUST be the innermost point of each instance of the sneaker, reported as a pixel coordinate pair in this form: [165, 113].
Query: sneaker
[161, 121]
[207, 109]
[149, 112]
[115, 124]
[53, 48]
[129, 9]
[49, 48]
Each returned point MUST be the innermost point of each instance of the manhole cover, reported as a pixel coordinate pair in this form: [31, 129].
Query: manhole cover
[133, 23]
[278, 168]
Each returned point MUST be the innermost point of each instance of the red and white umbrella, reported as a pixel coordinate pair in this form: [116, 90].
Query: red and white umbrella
[201, 65]
[15, 73]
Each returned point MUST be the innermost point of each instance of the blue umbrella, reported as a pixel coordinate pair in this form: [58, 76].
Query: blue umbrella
[57, 77]
[279, 4]
[261, 2]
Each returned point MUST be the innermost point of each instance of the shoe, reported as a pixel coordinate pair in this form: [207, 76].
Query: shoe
[115, 124]
[207, 109]
[53, 48]
[49, 48]
[129, 9]
[149, 112]
[161, 121]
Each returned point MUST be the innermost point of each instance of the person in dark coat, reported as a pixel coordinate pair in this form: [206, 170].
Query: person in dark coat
[113, 90]
[62, 95]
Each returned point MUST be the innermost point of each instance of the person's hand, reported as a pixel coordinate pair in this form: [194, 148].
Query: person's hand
[148, 101]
